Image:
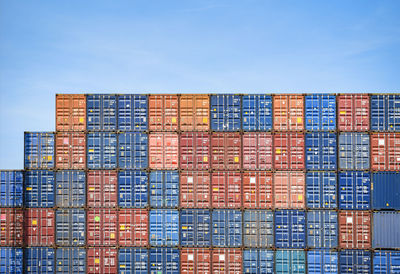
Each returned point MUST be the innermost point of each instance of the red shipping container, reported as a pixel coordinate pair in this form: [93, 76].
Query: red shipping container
[353, 112]
[289, 189]
[11, 226]
[133, 227]
[257, 189]
[195, 260]
[163, 150]
[226, 189]
[226, 260]
[288, 112]
[70, 150]
[102, 260]
[70, 112]
[102, 227]
[39, 226]
[163, 112]
[257, 151]
[226, 151]
[102, 188]
[194, 112]
[289, 151]
[354, 229]
[385, 151]
[195, 189]
[195, 150]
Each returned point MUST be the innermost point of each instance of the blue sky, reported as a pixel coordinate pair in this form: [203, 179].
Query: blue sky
[49, 47]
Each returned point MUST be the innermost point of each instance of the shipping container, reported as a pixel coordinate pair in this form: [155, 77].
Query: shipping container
[322, 262]
[163, 151]
[258, 228]
[195, 227]
[385, 151]
[11, 260]
[133, 261]
[70, 150]
[226, 261]
[386, 262]
[194, 150]
[288, 112]
[164, 227]
[195, 260]
[133, 227]
[226, 228]
[257, 112]
[39, 260]
[195, 189]
[290, 262]
[290, 229]
[70, 188]
[258, 261]
[354, 152]
[226, 150]
[164, 260]
[289, 189]
[11, 226]
[39, 227]
[385, 188]
[354, 190]
[39, 188]
[39, 150]
[132, 188]
[257, 151]
[101, 112]
[289, 151]
[102, 227]
[353, 112]
[321, 190]
[70, 227]
[226, 189]
[164, 189]
[354, 229]
[320, 112]
[194, 112]
[132, 153]
[102, 150]
[11, 188]
[225, 110]
[385, 112]
[102, 260]
[322, 229]
[70, 112]
[163, 112]
[355, 262]
[321, 151]
[132, 112]
[71, 260]
[257, 189]
[102, 188]
[386, 230]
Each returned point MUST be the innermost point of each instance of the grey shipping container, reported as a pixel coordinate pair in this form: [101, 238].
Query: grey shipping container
[258, 261]
[71, 260]
[386, 230]
[322, 262]
[70, 188]
[226, 228]
[385, 189]
[70, 227]
[322, 229]
[195, 227]
[354, 151]
[290, 261]
[258, 228]
[355, 261]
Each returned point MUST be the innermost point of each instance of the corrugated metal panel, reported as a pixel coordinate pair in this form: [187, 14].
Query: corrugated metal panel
[70, 150]
[258, 228]
[354, 262]
[353, 112]
[195, 189]
[133, 227]
[164, 227]
[11, 188]
[354, 153]
[11, 226]
[101, 112]
[386, 262]
[39, 260]
[39, 150]
[322, 262]
[385, 112]
[194, 112]
[194, 150]
[289, 189]
[163, 112]
[102, 227]
[39, 227]
[164, 189]
[132, 112]
[70, 112]
[11, 260]
[70, 227]
[132, 188]
[195, 227]
[258, 261]
[102, 188]
[288, 112]
[257, 112]
[320, 112]
[257, 151]
[257, 189]
[227, 228]
[321, 189]
[322, 229]
[226, 260]
[385, 151]
[133, 260]
[385, 189]
[225, 112]
[70, 188]
[71, 260]
[321, 151]
[386, 232]
[354, 229]
[354, 190]
[164, 260]
[102, 260]
[226, 189]
[226, 151]
[290, 262]
[102, 150]
[289, 151]
[39, 188]
[163, 150]
[195, 260]
[290, 227]
[132, 153]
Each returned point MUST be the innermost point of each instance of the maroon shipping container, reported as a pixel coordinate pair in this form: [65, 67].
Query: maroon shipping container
[195, 151]
[289, 151]
[289, 189]
[257, 151]
[39, 226]
[163, 112]
[102, 188]
[353, 112]
[163, 150]
[194, 112]
[11, 226]
[257, 189]
[102, 260]
[133, 227]
[70, 112]
[71, 150]
[102, 227]
[195, 189]
[354, 229]
[195, 260]
[385, 151]
[226, 189]
[288, 112]
[226, 151]
[226, 260]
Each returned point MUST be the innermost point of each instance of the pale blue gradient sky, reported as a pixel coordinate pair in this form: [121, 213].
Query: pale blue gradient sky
[49, 47]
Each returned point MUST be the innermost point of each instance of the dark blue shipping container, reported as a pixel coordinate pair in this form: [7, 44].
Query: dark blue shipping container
[39, 260]
[164, 227]
[39, 150]
[386, 262]
[132, 153]
[320, 112]
[320, 151]
[11, 188]
[164, 260]
[322, 262]
[257, 112]
[386, 190]
[132, 112]
[258, 228]
[70, 227]
[354, 190]
[290, 262]
[71, 260]
[133, 261]
[386, 230]
[164, 189]
[385, 112]
[195, 227]
[322, 229]
[354, 151]
[290, 229]
[225, 112]
[70, 188]
[102, 150]
[355, 261]
[11, 260]
[258, 261]
[39, 188]
[101, 112]
[321, 189]
[226, 228]
[132, 189]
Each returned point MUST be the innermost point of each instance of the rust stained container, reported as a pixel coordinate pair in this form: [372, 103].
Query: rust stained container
[163, 150]
[11, 226]
[163, 112]
[194, 112]
[195, 151]
[226, 151]
[133, 227]
[257, 189]
[39, 226]
[70, 112]
[257, 151]
[195, 189]
[289, 189]
[353, 112]
[195, 260]
[288, 112]
[354, 229]
[226, 260]
[385, 151]
[102, 260]
[226, 189]
[289, 151]
[70, 150]
[102, 188]
[102, 227]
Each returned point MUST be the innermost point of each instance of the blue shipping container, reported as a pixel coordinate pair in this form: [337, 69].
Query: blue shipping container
[70, 188]
[386, 230]
[132, 112]
[11, 260]
[39, 188]
[132, 189]
[386, 262]
[386, 190]
[227, 228]
[290, 262]
[11, 188]
[354, 152]
[71, 260]
[258, 228]
[320, 151]
[354, 190]
[133, 260]
[164, 189]
[102, 150]
[225, 112]
[257, 112]
[322, 262]
[258, 261]
[164, 260]
[39, 260]
[164, 227]
[354, 261]
[101, 112]
[195, 227]
[70, 227]
[385, 112]
[290, 227]
[132, 153]
[322, 229]
[320, 112]
[39, 150]
[321, 189]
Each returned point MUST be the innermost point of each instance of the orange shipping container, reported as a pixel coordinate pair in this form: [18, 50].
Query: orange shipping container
[70, 150]
[257, 189]
[385, 149]
[354, 229]
[257, 151]
[226, 151]
[289, 151]
[195, 189]
[195, 260]
[353, 112]
[194, 112]
[163, 150]
[226, 189]
[70, 112]
[289, 189]
[163, 112]
[288, 112]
